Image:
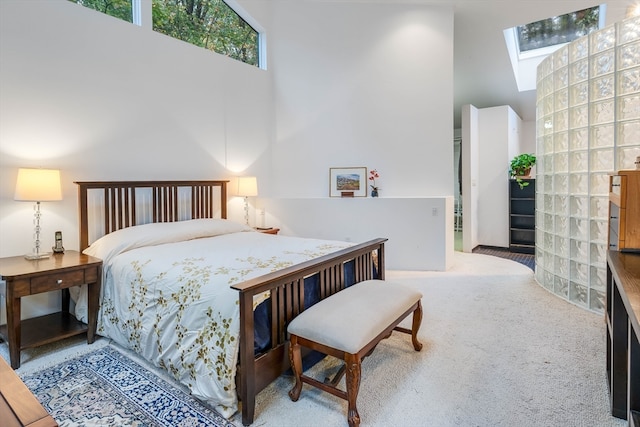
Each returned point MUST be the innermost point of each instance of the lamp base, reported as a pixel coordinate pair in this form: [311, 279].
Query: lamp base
[39, 255]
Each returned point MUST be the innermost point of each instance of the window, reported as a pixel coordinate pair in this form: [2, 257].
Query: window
[116, 8]
[558, 29]
[211, 24]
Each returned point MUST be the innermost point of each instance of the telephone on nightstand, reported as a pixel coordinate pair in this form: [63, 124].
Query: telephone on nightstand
[57, 248]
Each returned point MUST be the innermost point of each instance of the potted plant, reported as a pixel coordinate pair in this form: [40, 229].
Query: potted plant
[521, 168]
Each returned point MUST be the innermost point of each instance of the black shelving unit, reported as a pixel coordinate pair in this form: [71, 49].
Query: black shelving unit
[522, 217]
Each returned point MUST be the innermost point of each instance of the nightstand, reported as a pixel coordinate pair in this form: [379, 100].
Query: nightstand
[29, 277]
[270, 230]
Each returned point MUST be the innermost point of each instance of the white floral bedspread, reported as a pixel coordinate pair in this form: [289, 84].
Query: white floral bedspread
[172, 302]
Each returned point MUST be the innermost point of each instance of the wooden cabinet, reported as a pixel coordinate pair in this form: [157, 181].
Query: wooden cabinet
[522, 217]
[624, 211]
[622, 317]
[59, 272]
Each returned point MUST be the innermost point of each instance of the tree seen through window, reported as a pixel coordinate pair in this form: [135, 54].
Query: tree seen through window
[210, 24]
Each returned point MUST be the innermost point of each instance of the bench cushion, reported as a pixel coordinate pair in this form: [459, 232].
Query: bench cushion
[353, 317]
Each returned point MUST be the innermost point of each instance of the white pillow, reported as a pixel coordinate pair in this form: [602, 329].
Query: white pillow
[159, 233]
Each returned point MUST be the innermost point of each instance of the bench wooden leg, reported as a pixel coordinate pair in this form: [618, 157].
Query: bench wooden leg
[353, 363]
[296, 366]
[417, 320]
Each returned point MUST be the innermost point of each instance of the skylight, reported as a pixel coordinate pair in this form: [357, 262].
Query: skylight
[529, 44]
[558, 30]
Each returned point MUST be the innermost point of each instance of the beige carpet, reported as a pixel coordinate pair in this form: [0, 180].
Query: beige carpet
[499, 351]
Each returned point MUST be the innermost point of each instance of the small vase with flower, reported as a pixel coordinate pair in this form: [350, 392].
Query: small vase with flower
[373, 175]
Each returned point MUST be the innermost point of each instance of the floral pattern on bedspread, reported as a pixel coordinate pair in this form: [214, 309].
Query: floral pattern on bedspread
[173, 304]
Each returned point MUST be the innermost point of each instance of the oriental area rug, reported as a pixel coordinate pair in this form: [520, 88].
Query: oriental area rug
[105, 388]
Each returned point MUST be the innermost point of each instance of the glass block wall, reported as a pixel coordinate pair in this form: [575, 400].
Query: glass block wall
[587, 126]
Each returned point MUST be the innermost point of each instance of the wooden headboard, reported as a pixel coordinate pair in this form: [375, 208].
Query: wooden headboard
[107, 206]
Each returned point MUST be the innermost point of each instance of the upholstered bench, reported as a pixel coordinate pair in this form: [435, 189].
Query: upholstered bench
[348, 325]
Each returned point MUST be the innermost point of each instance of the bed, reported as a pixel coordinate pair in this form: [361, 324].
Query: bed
[207, 299]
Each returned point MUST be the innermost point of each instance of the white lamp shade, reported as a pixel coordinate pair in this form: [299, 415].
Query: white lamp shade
[247, 186]
[38, 185]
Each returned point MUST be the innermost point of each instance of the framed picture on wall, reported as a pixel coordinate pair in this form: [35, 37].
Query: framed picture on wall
[348, 182]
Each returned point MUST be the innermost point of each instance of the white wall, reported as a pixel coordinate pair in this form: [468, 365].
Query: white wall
[498, 130]
[419, 223]
[363, 85]
[470, 177]
[528, 140]
[369, 85]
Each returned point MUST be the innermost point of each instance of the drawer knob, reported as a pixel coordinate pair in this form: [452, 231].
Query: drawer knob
[59, 281]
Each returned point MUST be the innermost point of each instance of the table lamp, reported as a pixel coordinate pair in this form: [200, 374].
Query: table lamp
[38, 185]
[247, 187]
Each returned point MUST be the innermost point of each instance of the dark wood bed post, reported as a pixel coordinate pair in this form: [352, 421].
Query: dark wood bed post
[84, 219]
[381, 264]
[223, 199]
[247, 368]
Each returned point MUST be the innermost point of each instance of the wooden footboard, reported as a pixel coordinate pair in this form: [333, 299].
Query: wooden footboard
[286, 287]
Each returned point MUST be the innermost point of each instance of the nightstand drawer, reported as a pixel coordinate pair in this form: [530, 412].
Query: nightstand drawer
[56, 281]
